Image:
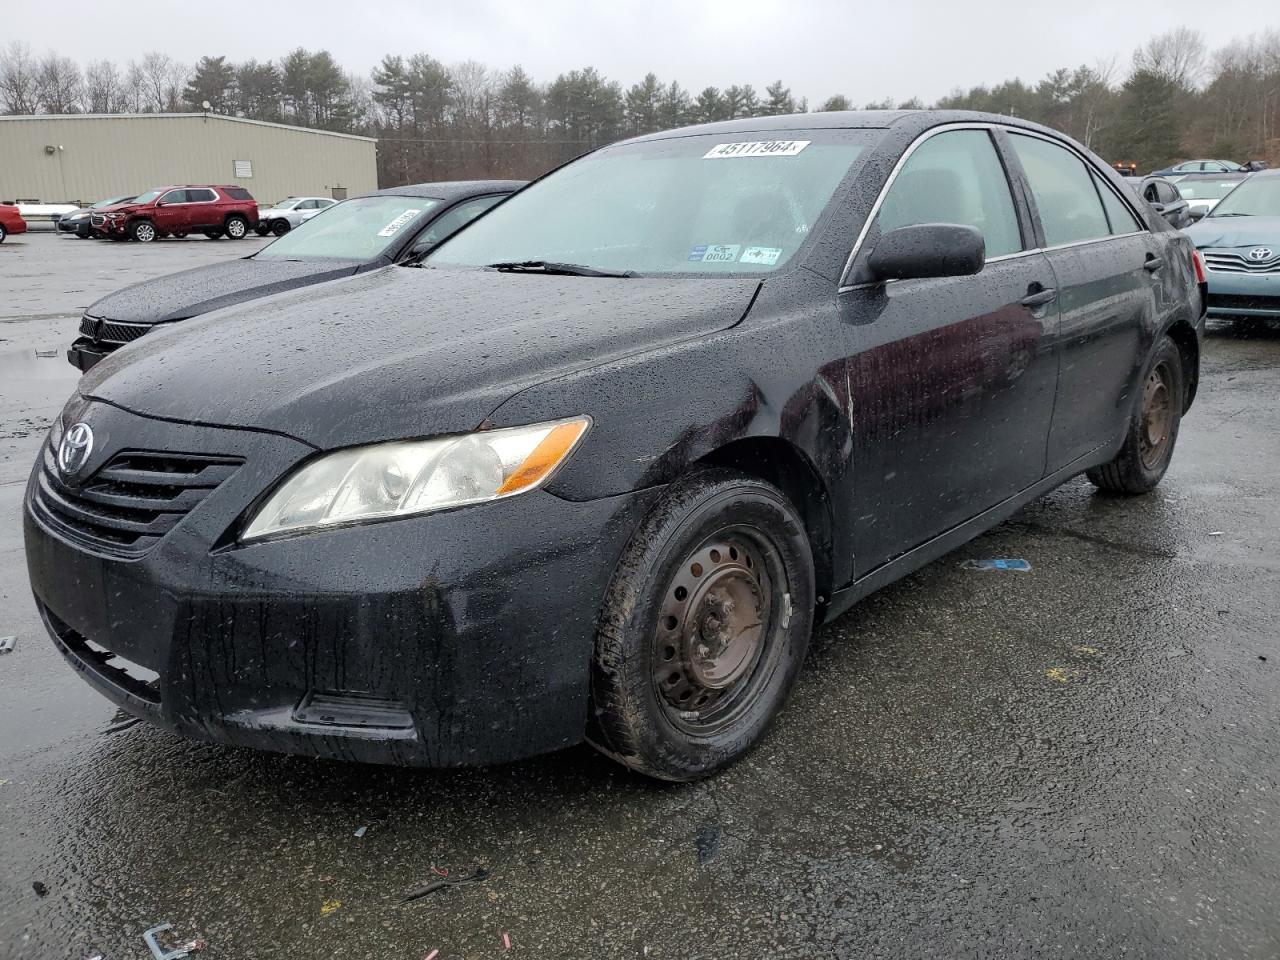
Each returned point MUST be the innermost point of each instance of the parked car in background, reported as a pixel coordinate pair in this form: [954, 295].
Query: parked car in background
[79, 221]
[1199, 166]
[351, 237]
[289, 213]
[214, 211]
[1240, 243]
[1164, 199]
[597, 466]
[1203, 192]
[11, 221]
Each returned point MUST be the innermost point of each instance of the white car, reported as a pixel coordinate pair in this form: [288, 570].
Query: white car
[1202, 193]
[287, 214]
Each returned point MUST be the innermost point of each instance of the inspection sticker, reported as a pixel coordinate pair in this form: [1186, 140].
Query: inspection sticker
[390, 229]
[764, 255]
[756, 148]
[715, 252]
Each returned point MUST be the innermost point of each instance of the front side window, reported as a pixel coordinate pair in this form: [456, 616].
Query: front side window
[955, 177]
[174, 196]
[717, 204]
[1118, 215]
[1069, 206]
[359, 229]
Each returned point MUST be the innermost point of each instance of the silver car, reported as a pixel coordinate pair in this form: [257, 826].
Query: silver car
[289, 213]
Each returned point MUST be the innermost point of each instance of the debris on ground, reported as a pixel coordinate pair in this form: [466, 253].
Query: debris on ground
[1216, 533]
[1088, 651]
[1058, 674]
[998, 563]
[329, 906]
[444, 883]
[438, 872]
[432, 955]
[506, 941]
[7, 644]
[40, 889]
[1174, 652]
[707, 842]
[166, 947]
[361, 831]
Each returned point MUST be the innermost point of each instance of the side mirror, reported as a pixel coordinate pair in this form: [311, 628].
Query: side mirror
[1197, 214]
[928, 250]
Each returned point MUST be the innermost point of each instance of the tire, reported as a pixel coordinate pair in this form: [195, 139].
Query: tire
[179, 234]
[720, 554]
[237, 227]
[1153, 427]
[213, 234]
[261, 230]
[280, 227]
[3, 233]
[144, 231]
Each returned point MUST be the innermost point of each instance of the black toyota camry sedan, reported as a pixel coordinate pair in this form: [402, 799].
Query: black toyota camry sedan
[361, 234]
[597, 467]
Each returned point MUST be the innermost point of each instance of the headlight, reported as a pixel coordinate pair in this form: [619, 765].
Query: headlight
[419, 476]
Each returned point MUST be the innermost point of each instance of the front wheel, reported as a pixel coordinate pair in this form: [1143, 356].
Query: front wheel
[237, 227]
[1153, 427]
[144, 231]
[280, 227]
[704, 627]
[3, 233]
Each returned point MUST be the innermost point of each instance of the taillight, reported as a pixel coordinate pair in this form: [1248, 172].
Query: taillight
[1199, 262]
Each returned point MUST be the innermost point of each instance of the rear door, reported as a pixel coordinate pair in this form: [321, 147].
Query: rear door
[951, 379]
[1104, 261]
[203, 208]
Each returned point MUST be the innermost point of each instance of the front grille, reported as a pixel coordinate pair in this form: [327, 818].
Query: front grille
[98, 219]
[112, 331]
[1234, 263]
[127, 506]
[1229, 301]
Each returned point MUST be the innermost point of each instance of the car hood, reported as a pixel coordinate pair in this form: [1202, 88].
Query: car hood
[403, 352]
[1221, 232]
[195, 292]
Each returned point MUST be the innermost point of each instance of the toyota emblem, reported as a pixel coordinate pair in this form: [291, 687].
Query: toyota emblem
[76, 446]
[1260, 253]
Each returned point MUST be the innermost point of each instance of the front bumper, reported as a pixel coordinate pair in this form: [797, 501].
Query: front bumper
[458, 638]
[1243, 295]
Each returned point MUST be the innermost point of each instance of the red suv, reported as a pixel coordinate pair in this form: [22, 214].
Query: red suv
[177, 211]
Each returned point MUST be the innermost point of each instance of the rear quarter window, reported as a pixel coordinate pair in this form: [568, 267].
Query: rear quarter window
[238, 193]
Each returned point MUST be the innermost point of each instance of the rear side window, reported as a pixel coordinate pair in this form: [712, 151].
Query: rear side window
[200, 196]
[955, 177]
[238, 193]
[449, 223]
[1070, 209]
[1118, 215]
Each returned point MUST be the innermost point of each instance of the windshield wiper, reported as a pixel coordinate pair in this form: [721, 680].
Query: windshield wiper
[1232, 214]
[560, 269]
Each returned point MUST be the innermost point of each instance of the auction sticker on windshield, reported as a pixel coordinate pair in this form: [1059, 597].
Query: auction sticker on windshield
[390, 229]
[715, 252]
[756, 148]
[767, 256]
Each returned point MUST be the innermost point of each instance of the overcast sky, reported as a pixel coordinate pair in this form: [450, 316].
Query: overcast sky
[867, 51]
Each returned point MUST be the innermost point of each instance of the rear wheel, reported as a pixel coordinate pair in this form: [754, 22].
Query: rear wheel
[237, 226]
[179, 234]
[280, 227]
[3, 233]
[144, 231]
[1153, 427]
[704, 627]
[213, 234]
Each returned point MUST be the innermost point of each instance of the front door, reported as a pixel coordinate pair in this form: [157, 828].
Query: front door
[952, 379]
[169, 212]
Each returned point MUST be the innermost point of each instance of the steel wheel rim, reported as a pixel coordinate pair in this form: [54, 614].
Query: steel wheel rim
[1157, 415]
[714, 644]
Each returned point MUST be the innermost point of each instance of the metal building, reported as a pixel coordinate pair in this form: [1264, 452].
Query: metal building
[80, 158]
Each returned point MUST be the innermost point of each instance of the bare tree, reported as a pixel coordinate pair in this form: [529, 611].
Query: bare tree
[103, 90]
[61, 85]
[1177, 55]
[134, 89]
[19, 79]
[164, 79]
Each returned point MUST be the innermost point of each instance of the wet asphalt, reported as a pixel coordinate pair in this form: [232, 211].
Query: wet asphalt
[1079, 761]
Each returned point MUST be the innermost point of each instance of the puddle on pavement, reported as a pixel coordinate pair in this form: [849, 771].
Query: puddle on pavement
[16, 365]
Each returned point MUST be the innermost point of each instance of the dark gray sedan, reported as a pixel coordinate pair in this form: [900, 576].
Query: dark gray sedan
[351, 237]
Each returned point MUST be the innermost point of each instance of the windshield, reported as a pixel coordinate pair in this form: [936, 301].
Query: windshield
[147, 197]
[288, 203]
[1206, 189]
[712, 204]
[1255, 197]
[360, 229]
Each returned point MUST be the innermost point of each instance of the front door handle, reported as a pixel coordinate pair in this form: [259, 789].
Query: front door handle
[1153, 263]
[1040, 297]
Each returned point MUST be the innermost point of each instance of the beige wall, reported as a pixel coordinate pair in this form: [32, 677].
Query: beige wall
[106, 155]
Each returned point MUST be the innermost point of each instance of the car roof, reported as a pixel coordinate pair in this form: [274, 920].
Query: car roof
[912, 120]
[450, 190]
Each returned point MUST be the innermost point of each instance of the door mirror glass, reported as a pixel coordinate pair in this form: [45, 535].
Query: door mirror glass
[928, 250]
[1197, 213]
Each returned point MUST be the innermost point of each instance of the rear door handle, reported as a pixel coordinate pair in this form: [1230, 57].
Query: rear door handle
[1153, 263]
[1040, 298]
